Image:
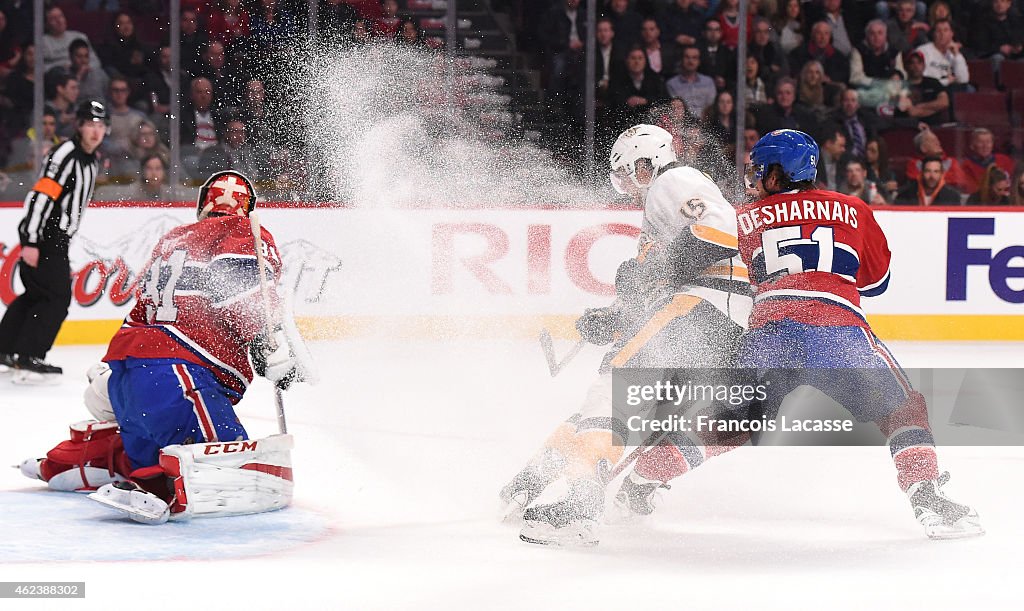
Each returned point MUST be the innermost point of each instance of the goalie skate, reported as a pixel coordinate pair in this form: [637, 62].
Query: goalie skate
[129, 498]
[942, 517]
[30, 468]
[570, 522]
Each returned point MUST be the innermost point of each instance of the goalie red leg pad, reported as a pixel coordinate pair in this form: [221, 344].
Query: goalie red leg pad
[171, 466]
[282, 472]
[92, 444]
[152, 479]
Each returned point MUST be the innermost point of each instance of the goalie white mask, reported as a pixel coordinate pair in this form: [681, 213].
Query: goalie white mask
[226, 193]
[639, 142]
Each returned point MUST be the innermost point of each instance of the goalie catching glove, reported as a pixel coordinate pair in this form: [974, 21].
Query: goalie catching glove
[274, 360]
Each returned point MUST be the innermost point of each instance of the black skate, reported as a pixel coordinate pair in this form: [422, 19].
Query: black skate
[942, 517]
[571, 522]
[636, 498]
[30, 370]
[7, 363]
[529, 483]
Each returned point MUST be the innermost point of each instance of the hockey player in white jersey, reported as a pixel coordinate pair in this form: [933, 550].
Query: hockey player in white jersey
[683, 301]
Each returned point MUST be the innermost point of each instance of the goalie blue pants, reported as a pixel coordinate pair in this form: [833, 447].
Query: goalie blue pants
[161, 402]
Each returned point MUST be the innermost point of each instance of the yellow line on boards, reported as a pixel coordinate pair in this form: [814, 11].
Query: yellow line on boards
[916, 327]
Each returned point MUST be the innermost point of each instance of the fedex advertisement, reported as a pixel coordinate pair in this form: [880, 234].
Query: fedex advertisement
[957, 274]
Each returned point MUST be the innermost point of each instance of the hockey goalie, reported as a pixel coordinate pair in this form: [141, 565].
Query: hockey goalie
[165, 442]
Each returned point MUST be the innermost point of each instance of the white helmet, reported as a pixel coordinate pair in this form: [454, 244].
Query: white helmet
[639, 142]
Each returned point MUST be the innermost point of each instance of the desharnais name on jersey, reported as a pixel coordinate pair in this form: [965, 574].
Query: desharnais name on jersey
[811, 255]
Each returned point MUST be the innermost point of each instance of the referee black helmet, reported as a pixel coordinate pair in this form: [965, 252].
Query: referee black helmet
[92, 110]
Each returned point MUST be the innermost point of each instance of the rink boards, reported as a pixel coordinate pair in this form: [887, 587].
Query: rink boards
[957, 274]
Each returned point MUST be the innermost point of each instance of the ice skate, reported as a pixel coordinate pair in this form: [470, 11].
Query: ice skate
[30, 468]
[942, 517]
[570, 522]
[33, 371]
[636, 499]
[129, 498]
[528, 484]
[7, 364]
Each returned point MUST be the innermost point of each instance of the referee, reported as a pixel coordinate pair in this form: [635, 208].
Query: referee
[53, 211]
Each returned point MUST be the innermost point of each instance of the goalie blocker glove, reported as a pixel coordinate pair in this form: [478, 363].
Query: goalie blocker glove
[274, 359]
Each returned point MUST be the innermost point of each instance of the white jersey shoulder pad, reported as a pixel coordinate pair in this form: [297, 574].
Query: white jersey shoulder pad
[684, 196]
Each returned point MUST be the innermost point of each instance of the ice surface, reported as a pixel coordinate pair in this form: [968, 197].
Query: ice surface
[399, 456]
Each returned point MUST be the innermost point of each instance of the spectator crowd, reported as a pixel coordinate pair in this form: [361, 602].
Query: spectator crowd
[236, 107]
[884, 87]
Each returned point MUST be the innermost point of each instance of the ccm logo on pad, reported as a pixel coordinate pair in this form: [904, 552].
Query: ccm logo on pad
[230, 447]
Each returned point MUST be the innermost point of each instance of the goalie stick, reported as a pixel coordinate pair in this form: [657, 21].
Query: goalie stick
[257, 238]
[303, 358]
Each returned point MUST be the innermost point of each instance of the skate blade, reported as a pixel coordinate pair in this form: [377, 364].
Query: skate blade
[582, 533]
[137, 514]
[31, 378]
[961, 529]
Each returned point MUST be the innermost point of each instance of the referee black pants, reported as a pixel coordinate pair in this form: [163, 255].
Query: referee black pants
[33, 319]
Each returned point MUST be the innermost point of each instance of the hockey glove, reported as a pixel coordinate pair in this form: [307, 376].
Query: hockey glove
[274, 359]
[629, 280]
[598, 325]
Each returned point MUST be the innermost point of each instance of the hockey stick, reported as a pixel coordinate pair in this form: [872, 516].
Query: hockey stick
[257, 238]
[653, 440]
[555, 366]
[548, 346]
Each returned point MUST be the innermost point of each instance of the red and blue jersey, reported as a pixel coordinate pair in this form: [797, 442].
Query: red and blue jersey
[811, 255]
[199, 300]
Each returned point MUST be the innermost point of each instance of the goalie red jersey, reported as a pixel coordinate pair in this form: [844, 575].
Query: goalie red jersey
[199, 300]
[811, 256]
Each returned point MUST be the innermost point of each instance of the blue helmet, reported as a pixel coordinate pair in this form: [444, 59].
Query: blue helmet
[794, 150]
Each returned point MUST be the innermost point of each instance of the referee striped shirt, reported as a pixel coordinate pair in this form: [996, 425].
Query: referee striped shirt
[54, 206]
